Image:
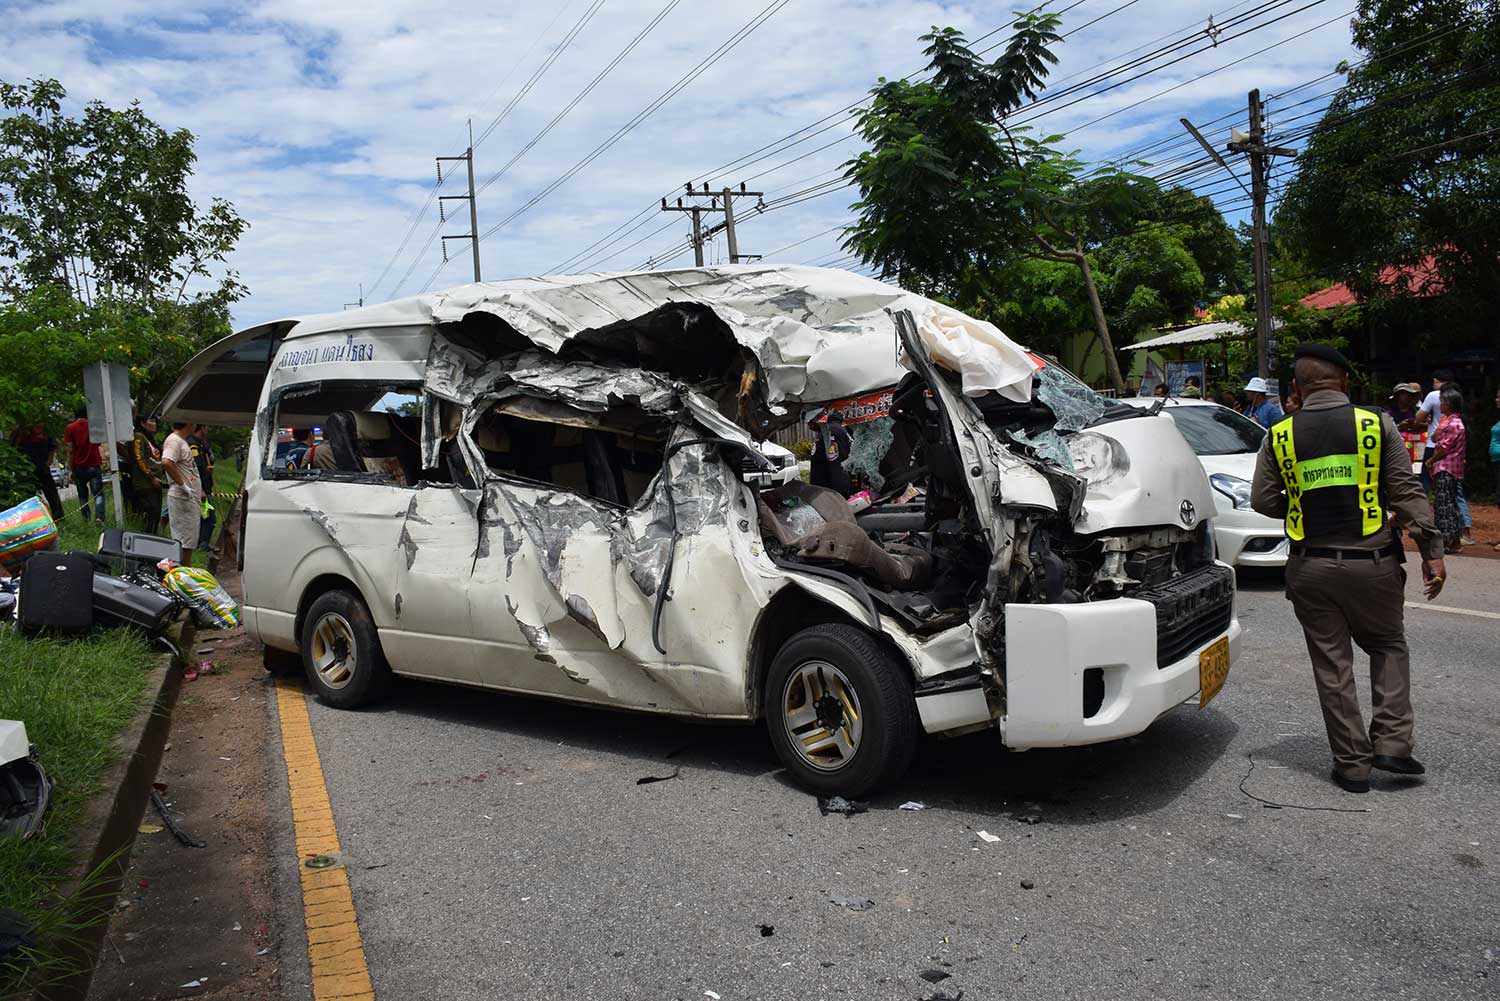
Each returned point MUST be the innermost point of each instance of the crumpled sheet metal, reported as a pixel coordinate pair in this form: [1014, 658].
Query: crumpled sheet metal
[787, 316]
[580, 542]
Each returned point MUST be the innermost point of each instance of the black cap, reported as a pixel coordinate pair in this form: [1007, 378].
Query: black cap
[1323, 352]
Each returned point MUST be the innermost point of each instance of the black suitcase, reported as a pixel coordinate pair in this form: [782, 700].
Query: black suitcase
[57, 593]
[129, 550]
[120, 602]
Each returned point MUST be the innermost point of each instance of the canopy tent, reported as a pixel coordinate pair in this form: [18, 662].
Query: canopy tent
[1198, 333]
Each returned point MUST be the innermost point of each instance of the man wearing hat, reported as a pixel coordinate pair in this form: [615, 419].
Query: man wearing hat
[1403, 410]
[1331, 471]
[1260, 410]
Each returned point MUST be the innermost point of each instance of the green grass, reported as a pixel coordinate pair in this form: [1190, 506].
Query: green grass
[75, 696]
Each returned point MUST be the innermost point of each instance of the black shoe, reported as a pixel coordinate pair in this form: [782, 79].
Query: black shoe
[1401, 766]
[1350, 785]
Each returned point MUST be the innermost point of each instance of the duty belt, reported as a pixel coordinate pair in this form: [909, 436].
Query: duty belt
[1344, 554]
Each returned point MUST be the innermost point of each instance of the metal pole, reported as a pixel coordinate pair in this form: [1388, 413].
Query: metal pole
[734, 247]
[698, 236]
[1258, 162]
[112, 444]
[473, 212]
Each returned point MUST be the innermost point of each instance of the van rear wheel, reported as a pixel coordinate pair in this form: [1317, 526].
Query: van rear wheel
[341, 651]
[840, 711]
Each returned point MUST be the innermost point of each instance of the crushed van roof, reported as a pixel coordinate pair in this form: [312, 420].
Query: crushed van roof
[818, 334]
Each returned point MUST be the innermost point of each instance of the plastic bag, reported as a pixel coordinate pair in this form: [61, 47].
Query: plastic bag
[211, 605]
[25, 529]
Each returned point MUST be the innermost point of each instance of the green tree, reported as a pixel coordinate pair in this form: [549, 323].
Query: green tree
[950, 197]
[1405, 163]
[99, 205]
[99, 245]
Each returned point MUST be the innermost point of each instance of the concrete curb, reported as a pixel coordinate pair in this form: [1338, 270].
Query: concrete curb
[109, 823]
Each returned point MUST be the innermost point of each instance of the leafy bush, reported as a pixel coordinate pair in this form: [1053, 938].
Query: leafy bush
[17, 476]
[803, 450]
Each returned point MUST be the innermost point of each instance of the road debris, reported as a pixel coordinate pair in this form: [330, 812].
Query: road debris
[1027, 884]
[912, 804]
[711, 994]
[1029, 818]
[853, 903]
[934, 976]
[987, 837]
[150, 829]
[648, 779]
[166, 816]
[766, 931]
[942, 995]
[192, 983]
[838, 804]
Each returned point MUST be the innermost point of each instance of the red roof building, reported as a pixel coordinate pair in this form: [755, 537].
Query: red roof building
[1422, 280]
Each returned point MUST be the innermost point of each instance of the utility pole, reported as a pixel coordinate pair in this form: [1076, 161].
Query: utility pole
[1254, 146]
[473, 234]
[359, 304]
[720, 201]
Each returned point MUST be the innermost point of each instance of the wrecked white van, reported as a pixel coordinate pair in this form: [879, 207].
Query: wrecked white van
[544, 486]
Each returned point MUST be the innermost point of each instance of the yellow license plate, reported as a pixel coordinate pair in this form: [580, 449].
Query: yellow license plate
[1213, 668]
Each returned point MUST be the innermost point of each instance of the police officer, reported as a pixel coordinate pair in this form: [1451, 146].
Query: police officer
[1332, 470]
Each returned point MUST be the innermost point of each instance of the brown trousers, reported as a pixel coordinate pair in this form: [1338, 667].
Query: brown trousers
[1339, 601]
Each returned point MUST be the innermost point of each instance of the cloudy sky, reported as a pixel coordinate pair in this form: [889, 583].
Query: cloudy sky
[320, 120]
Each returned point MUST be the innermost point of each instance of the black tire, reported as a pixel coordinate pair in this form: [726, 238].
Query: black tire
[360, 673]
[280, 662]
[881, 682]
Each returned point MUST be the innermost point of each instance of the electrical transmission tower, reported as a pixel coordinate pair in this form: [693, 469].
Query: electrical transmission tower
[718, 201]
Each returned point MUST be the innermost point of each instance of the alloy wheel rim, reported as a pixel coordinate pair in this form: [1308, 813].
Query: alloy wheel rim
[333, 650]
[822, 716]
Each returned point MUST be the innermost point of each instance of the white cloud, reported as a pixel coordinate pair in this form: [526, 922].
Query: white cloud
[320, 121]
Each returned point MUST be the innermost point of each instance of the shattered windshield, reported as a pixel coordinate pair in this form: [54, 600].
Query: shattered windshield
[1217, 430]
[1073, 402]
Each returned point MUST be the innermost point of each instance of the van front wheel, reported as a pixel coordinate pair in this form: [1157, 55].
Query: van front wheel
[341, 651]
[840, 711]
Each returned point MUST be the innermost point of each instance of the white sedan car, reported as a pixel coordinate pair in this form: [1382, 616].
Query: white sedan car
[1226, 443]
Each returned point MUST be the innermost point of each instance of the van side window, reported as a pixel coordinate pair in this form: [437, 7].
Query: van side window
[610, 457]
[352, 431]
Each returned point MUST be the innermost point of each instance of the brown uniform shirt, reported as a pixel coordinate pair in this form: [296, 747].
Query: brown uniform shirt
[1400, 490]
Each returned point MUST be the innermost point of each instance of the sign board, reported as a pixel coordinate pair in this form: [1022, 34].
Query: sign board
[112, 381]
[107, 388]
[1178, 374]
[858, 409]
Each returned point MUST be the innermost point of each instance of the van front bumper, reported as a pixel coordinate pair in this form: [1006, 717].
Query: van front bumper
[1059, 656]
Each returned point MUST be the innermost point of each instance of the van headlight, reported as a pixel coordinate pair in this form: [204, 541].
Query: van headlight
[1236, 489]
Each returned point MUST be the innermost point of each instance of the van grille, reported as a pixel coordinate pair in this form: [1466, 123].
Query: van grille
[1190, 611]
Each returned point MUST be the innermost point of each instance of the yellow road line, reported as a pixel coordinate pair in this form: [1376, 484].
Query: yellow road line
[334, 947]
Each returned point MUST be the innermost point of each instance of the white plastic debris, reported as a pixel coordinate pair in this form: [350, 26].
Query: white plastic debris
[912, 804]
[191, 983]
[988, 837]
[711, 994]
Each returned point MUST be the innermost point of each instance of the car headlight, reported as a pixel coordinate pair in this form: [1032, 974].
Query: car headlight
[1236, 489]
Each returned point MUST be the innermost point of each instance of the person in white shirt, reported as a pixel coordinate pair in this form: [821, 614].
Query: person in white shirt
[185, 495]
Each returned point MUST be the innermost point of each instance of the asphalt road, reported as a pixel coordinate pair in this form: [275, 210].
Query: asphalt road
[501, 847]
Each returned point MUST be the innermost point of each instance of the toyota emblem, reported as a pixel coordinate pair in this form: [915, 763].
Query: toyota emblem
[1188, 513]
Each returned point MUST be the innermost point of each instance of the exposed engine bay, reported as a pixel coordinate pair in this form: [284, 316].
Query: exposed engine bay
[921, 550]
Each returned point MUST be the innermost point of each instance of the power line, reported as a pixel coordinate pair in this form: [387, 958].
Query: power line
[619, 58]
[540, 71]
[765, 14]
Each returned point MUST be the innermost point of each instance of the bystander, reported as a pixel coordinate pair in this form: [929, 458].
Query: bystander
[185, 495]
[40, 447]
[85, 464]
